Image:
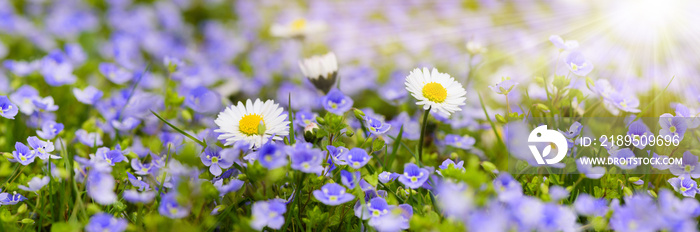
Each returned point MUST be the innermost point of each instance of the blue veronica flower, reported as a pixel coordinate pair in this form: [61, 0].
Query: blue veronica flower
[689, 166]
[638, 129]
[24, 97]
[172, 141]
[336, 102]
[574, 130]
[455, 199]
[361, 210]
[494, 217]
[349, 179]
[378, 207]
[589, 171]
[21, 68]
[272, 156]
[507, 188]
[639, 212]
[386, 177]
[169, 207]
[89, 95]
[672, 126]
[376, 126]
[100, 187]
[7, 109]
[446, 164]
[684, 185]
[557, 193]
[22, 154]
[464, 142]
[49, 129]
[413, 176]
[89, 139]
[111, 157]
[307, 159]
[41, 148]
[137, 182]
[561, 44]
[104, 222]
[578, 64]
[215, 160]
[621, 101]
[333, 194]
[232, 186]
[11, 199]
[690, 116]
[337, 154]
[134, 196]
[268, 213]
[504, 86]
[56, 70]
[304, 117]
[625, 153]
[46, 104]
[203, 100]
[142, 168]
[396, 220]
[114, 73]
[357, 158]
[589, 206]
[35, 184]
[411, 127]
[75, 54]
[126, 124]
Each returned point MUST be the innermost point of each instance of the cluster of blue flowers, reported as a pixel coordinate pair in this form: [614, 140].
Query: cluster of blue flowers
[126, 115]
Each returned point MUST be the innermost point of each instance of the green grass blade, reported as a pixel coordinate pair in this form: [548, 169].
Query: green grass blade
[179, 130]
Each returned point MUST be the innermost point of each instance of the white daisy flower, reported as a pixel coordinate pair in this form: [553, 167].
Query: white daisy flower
[437, 90]
[252, 123]
[321, 70]
[297, 28]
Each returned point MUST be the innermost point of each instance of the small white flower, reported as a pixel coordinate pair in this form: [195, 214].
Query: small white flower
[437, 90]
[298, 28]
[253, 123]
[474, 48]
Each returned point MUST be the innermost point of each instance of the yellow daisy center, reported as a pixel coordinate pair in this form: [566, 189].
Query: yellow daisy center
[434, 92]
[299, 24]
[249, 124]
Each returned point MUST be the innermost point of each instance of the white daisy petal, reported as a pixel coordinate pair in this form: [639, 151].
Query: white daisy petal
[436, 90]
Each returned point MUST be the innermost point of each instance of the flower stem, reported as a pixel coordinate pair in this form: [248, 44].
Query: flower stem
[422, 135]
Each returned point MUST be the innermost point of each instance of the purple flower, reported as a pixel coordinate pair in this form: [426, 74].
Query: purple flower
[304, 117]
[21, 68]
[142, 168]
[574, 130]
[213, 158]
[89, 139]
[114, 73]
[268, 213]
[203, 100]
[357, 158]
[557, 193]
[561, 44]
[684, 185]
[22, 154]
[624, 102]
[232, 186]
[46, 104]
[376, 126]
[170, 207]
[337, 103]
[672, 126]
[688, 167]
[100, 187]
[411, 127]
[349, 179]
[137, 182]
[49, 129]
[41, 148]
[134, 196]
[127, 124]
[508, 189]
[588, 169]
[333, 194]
[638, 129]
[307, 159]
[455, 199]
[464, 142]
[386, 177]
[413, 176]
[590, 206]
[56, 72]
[338, 154]
[35, 184]
[110, 157]
[448, 162]
[396, 220]
[578, 64]
[103, 222]
[272, 156]
[624, 154]
[504, 86]
[660, 165]
[24, 97]
[11, 199]
[89, 95]
[7, 109]
[378, 207]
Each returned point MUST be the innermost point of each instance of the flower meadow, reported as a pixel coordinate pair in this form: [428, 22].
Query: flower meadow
[216, 115]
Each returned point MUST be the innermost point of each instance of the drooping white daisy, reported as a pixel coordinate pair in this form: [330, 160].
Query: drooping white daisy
[253, 123]
[297, 28]
[437, 90]
[321, 70]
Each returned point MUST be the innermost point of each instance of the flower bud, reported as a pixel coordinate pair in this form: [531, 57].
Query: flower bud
[489, 167]
[359, 115]
[27, 221]
[310, 132]
[22, 208]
